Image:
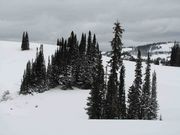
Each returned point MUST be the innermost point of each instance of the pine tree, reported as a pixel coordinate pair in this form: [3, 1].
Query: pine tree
[132, 100]
[154, 103]
[111, 103]
[95, 101]
[89, 44]
[40, 72]
[50, 75]
[25, 41]
[134, 95]
[175, 55]
[121, 94]
[26, 82]
[82, 46]
[73, 57]
[145, 98]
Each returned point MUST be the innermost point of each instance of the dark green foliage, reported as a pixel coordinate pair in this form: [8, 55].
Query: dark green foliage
[95, 101]
[121, 94]
[41, 82]
[133, 101]
[73, 56]
[175, 55]
[50, 79]
[82, 46]
[146, 92]
[116, 44]
[26, 82]
[134, 95]
[111, 103]
[35, 77]
[25, 41]
[153, 99]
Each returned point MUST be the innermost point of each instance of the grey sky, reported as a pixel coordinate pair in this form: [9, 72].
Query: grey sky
[46, 20]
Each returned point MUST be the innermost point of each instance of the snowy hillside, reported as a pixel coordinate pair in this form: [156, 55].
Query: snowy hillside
[157, 50]
[59, 112]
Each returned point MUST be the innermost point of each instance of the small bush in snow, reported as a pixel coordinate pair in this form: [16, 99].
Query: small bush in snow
[5, 96]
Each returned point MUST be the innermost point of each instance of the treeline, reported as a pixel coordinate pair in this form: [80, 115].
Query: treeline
[108, 100]
[72, 64]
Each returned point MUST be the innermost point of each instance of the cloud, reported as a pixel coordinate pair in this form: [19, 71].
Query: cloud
[143, 20]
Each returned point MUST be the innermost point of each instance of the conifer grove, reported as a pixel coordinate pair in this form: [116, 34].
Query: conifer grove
[79, 64]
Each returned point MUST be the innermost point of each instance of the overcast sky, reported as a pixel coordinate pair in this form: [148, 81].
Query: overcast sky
[46, 20]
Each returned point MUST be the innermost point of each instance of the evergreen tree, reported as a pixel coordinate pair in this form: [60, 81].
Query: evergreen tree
[111, 104]
[73, 56]
[58, 42]
[134, 95]
[154, 102]
[40, 72]
[121, 94]
[49, 75]
[175, 55]
[26, 82]
[89, 44]
[95, 101]
[82, 46]
[25, 41]
[145, 98]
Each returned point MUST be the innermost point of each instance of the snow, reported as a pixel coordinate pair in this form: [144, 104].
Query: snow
[13, 62]
[127, 49]
[164, 47]
[59, 112]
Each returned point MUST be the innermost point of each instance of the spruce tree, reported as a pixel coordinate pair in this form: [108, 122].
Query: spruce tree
[111, 103]
[121, 94]
[25, 41]
[82, 46]
[73, 56]
[40, 72]
[26, 82]
[145, 98]
[154, 103]
[50, 75]
[175, 55]
[95, 101]
[134, 95]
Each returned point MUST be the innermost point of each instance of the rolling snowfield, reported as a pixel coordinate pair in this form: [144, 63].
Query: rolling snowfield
[59, 112]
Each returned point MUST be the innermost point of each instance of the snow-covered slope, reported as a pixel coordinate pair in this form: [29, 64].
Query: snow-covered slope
[13, 62]
[157, 50]
[58, 112]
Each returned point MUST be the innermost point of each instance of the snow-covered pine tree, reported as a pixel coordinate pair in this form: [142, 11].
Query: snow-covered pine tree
[26, 82]
[82, 45]
[89, 63]
[146, 90]
[95, 101]
[134, 95]
[50, 75]
[121, 94]
[83, 80]
[111, 103]
[73, 57]
[154, 103]
[40, 72]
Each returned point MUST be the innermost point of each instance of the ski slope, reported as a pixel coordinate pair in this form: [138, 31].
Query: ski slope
[59, 112]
